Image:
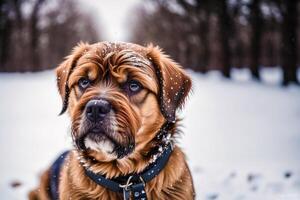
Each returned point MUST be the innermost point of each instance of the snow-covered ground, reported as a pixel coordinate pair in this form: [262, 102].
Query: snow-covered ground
[242, 138]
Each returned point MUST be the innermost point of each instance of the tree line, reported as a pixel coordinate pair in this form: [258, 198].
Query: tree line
[221, 34]
[37, 34]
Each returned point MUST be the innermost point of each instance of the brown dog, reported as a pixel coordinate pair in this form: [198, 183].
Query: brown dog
[122, 100]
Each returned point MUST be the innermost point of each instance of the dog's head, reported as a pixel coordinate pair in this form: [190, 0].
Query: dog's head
[118, 96]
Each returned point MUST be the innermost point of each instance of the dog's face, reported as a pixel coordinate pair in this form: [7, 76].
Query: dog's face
[118, 96]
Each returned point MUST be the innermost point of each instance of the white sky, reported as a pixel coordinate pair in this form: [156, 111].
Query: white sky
[111, 16]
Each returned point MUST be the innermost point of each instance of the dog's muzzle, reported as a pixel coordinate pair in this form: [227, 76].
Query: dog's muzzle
[98, 130]
[97, 110]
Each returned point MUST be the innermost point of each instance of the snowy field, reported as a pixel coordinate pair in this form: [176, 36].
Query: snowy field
[242, 138]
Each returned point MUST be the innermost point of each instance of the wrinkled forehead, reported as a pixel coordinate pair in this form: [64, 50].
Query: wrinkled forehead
[109, 47]
[119, 60]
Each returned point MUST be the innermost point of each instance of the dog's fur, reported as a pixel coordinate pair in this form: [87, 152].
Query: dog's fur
[130, 129]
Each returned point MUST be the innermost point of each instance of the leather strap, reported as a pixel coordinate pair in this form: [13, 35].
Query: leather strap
[55, 174]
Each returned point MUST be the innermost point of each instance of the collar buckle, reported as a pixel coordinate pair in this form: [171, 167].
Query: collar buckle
[127, 185]
[136, 189]
[126, 190]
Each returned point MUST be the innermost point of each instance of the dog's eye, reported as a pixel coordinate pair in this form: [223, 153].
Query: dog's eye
[84, 83]
[133, 87]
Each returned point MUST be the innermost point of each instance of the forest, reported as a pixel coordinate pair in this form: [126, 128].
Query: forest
[199, 34]
[36, 34]
[222, 34]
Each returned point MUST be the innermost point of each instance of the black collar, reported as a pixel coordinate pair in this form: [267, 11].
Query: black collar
[134, 184]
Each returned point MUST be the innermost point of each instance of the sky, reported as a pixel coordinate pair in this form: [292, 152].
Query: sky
[112, 17]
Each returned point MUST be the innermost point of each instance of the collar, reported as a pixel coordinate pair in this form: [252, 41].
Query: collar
[134, 184]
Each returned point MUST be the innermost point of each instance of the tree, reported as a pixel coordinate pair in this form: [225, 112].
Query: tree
[11, 25]
[289, 41]
[35, 33]
[198, 13]
[256, 23]
[224, 33]
[5, 31]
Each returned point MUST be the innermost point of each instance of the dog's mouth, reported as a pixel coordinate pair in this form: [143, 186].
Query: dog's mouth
[98, 139]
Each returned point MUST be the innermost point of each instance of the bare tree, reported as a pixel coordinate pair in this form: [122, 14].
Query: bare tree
[59, 36]
[5, 29]
[11, 23]
[198, 13]
[39, 36]
[289, 41]
[256, 23]
[35, 33]
[221, 34]
[225, 32]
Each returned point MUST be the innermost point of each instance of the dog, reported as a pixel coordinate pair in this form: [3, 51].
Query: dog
[122, 100]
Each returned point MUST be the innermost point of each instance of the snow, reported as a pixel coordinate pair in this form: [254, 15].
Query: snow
[241, 137]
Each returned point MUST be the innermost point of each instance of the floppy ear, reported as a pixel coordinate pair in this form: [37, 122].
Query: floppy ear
[174, 83]
[64, 70]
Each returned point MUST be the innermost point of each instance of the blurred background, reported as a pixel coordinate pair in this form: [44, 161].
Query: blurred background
[241, 124]
[200, 34]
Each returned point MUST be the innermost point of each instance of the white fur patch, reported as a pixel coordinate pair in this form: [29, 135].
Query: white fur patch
[105, 146]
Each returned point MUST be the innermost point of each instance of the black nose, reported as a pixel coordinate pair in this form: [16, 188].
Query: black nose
[97, 109]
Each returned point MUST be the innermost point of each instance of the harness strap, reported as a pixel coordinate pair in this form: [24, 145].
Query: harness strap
[55, 174]
[135, 184]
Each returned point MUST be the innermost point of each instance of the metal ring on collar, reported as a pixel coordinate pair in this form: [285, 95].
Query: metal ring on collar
[128, 183]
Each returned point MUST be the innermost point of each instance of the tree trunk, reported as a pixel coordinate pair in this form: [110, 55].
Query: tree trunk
[202, 12]
[17, 4]
[289, 42]
[256, 26]
[203, 32]
[35, 33]
[5, 35]
[225, 29]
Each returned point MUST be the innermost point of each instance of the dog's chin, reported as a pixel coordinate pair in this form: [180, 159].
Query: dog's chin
[101, 145]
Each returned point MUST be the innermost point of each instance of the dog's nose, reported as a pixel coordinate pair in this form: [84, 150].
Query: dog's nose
[97, 109]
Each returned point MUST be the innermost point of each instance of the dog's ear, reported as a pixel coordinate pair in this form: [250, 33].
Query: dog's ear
[64, 70]
[174, 83]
